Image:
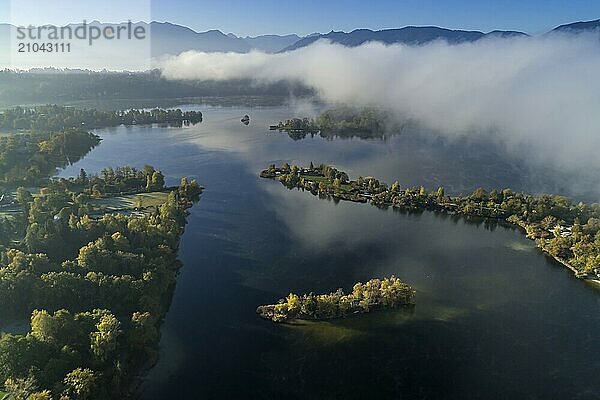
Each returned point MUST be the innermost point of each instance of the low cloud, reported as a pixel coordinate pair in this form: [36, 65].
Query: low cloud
[539, 96]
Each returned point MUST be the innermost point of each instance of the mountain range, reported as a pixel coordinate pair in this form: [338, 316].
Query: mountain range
[410, 35]
[169, 38]
[579, 26]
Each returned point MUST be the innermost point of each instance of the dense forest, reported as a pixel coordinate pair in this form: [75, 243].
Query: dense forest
[569, 232]
[342, 122]
[54, 118]
[29, 158]
[96, 287]
[95, 281]
[374, 295]
[56, 86]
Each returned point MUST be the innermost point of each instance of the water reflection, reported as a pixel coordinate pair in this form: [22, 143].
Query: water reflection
[494, 319]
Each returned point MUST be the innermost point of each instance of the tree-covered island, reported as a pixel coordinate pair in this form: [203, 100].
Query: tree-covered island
[376, 294]
[568, 232]
[343, 122]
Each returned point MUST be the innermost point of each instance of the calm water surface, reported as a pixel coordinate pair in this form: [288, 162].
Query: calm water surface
[494, 318]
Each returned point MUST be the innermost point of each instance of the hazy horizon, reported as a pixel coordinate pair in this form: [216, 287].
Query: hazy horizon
[301, 35]
[268, 17]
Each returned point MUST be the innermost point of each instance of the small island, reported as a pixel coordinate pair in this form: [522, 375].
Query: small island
[376, 294]
[343, 122]
[568, 232]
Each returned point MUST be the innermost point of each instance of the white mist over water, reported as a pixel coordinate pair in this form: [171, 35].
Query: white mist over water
[539, 96]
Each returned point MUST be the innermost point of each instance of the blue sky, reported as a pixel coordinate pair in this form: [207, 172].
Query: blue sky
[255, 17]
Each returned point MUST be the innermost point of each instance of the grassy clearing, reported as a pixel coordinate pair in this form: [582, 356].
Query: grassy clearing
[129, 202]
[322, 178]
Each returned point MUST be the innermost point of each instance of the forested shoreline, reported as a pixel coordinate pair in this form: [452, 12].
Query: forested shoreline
[65, 86]
[96, 288]
[44, 138]
[28, 159]
[568, 232]
[55, 118]
[95, 281]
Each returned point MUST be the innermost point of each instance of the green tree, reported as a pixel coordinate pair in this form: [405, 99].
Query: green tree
[156, 181]
[337, 185]
[20, 388]
[293, 304]
[440, 193]
[83, 177]
[480, 194]
[143, 334]
[105, 340]
[81, 382]
[43, 395]
[23, 196]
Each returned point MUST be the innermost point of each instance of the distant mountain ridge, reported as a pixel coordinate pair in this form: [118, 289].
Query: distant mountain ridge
[271, 43]
[168, 38]
[173, 39]
[581, 26]
[410, 35]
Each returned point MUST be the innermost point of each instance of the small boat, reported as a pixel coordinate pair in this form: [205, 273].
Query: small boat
[273, 127]
[246, 120]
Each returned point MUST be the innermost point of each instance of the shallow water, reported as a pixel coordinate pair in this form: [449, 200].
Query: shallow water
[495, 319]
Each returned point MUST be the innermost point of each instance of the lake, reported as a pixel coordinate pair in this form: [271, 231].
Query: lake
[495, 319]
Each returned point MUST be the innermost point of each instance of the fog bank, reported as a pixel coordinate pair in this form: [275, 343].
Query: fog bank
[539, 96]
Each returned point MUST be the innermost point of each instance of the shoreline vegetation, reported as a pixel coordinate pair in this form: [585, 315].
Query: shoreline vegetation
[568, 232]
[96, 287]
[374, 295]
[29, 159]
[91, 261]
[49, 85]
[342, 122]
[55, 118]
[45, 138]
